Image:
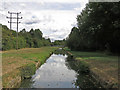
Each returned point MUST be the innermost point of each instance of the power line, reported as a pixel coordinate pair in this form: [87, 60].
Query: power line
[17, 17]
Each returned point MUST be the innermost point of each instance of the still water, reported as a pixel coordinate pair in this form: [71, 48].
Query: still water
[54, 73]
[59, 71]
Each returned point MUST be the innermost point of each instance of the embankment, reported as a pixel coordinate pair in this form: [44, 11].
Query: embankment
[103, 68]
[22, 64]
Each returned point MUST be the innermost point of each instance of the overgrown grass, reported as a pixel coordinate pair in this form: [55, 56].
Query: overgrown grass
[106, 66]
[22, 62]
[27, 71]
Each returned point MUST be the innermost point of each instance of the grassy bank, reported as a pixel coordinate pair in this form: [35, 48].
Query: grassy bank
[101, 64]
[22, 62]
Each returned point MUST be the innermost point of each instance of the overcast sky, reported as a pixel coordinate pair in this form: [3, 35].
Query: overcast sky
[54, 18]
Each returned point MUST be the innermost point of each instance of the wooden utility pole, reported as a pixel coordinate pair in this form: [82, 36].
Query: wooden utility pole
[10, 20]
[14, 22]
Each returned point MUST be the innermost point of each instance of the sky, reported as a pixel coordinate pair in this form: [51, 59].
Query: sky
[55, 18]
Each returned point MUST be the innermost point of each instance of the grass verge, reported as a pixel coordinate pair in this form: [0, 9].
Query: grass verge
[22, 63]
[103, 65]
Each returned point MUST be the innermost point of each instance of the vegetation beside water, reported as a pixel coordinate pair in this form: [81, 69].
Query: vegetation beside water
[103, 65]
[83, 77]
[22, 62]
[98, 30]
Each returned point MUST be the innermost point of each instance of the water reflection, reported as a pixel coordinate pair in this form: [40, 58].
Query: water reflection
[60, 51]
[54, 74]
[84, 79]
[61, 71]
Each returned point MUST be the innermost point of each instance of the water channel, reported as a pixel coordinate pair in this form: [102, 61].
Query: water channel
[59, 71]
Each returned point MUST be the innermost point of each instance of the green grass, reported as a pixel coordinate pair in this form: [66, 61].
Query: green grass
[106, 66]
[86, 54]
[38, 53]
[20, 62]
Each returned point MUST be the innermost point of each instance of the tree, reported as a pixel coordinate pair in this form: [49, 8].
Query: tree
[98, 28]
[30, 39]
[73, 40]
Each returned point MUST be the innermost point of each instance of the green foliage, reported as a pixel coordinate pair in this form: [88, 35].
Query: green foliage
[27, 71]
[31, 39]
[98, 28]
[59, 42]
[60, 51]
[79, 66]
[73, 42]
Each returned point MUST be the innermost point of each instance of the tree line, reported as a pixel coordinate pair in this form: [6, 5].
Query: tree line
[98, 28]
[26, 39]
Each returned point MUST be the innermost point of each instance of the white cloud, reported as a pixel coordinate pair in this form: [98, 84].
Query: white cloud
[23, 4]
[55, 21]
[50, 1]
